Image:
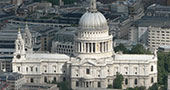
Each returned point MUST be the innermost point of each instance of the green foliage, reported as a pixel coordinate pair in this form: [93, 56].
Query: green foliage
[63, 86]
[163, 69]
[118, 81]
[155, 86]
[139, 49]
[54, 2]
[122, 48]
[110, 86]
[137, 88]
[69, 1]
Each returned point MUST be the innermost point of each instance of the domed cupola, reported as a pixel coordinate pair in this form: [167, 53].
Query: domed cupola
[93, 19]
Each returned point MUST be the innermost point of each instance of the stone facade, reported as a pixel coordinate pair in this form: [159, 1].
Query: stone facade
[94, 63]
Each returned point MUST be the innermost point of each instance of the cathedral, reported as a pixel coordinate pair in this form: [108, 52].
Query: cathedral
[94, 63]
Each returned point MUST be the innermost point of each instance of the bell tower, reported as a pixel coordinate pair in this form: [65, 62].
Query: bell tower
[19, 47]
[28, 40]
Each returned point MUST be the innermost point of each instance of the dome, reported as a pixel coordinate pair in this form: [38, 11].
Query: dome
[93, 20]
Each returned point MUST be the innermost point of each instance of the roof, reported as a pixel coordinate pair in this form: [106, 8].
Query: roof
[10, 76]
[165, 46]
[38, 86]
[133, 57]
[81, 88]
[147, 21]
[47, 56]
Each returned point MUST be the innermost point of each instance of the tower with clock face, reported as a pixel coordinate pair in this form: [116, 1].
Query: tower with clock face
[19, 47]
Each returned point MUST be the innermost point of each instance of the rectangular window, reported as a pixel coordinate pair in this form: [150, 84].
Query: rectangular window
[18, 68]
[36, 69]
[99, 84]
[27, 69]
[136, 81]
[31, 69]
[87, 71]
[77, 83]
[126, 81]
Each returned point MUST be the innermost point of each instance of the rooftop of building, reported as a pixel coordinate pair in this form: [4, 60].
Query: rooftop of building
[9, 32]
[134, 57]
[147, 21]
[39, 86]
[80, 88]
[47, 56]
[158, 7]
[165, 46]
[10, 76]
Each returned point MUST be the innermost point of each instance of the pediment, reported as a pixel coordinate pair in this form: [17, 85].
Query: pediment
[88, 63]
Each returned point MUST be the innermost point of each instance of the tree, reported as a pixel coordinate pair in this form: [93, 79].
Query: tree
[139, 49]
[63, 86]
[137, 88]
[163, 69]
[155, 86]
[122, 48]
[110, 86]
[118, 81]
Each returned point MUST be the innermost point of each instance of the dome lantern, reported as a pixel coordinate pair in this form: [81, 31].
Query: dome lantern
[93, 6]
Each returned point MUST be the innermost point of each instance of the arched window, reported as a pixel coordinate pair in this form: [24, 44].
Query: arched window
[45, 79]
[126, 81]
[152, 80]
[54, 79]
[136, 81]
[77, 83]
[64, 79]
[151, 68]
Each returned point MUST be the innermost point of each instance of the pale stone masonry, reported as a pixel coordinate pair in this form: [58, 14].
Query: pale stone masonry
[94, 63]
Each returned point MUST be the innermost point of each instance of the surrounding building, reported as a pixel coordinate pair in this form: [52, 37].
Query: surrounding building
[64, 41]
[38, 86]
[164, 48]
[139, 31]
[158, 36]
[158, 11]
[17, 2]
[11, 81]
[94, 63]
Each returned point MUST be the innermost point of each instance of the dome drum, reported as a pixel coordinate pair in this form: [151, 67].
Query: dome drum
[92, 34]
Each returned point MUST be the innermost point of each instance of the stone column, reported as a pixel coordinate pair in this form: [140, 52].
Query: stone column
[91, 47]
[85, 47]
[88, 49]
[107, 46]
[82, 47]
[96, 47]
[78, 50]
[110, 44]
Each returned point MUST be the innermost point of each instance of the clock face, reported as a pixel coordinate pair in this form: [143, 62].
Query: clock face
[18, 56]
